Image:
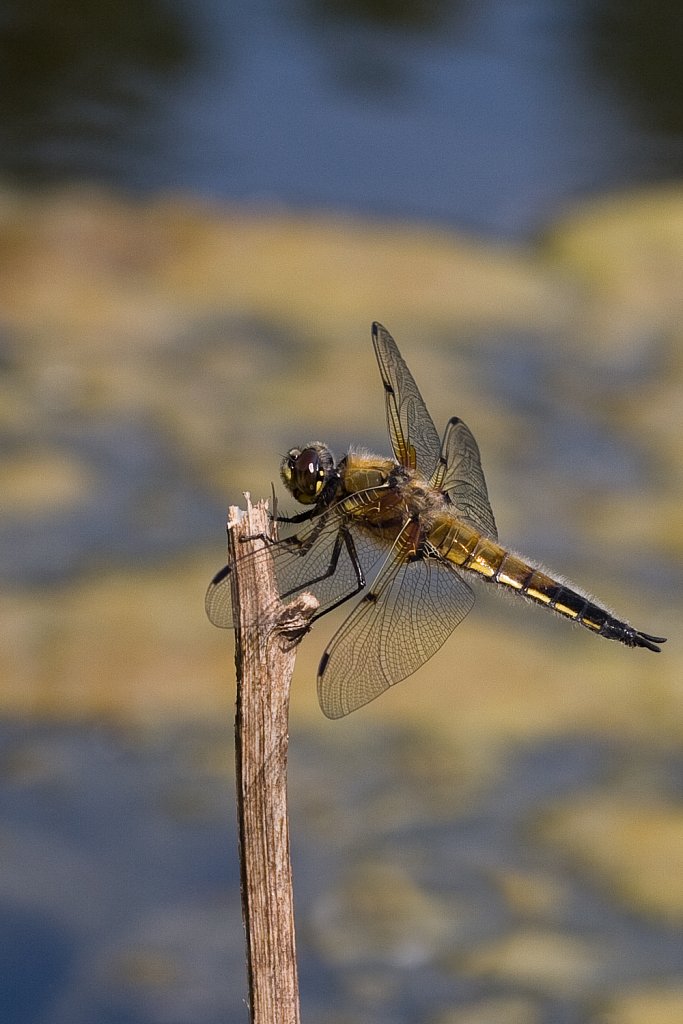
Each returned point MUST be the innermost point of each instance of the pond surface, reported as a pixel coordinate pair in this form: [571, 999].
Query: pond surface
[489, 116]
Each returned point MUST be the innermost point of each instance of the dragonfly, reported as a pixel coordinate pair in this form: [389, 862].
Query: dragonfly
[419, 527]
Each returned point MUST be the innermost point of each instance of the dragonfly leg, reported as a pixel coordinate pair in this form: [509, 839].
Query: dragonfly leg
[300, 517]
[357, 568]
[343, 538]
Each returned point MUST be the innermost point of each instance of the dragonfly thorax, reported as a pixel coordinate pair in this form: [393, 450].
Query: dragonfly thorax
[307, 471]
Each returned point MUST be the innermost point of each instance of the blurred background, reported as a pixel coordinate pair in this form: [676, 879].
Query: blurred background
[202, 208]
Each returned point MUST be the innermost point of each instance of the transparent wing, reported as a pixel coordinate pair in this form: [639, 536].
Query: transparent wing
[324, 557]
[411, 610]
[460, 475]
[413, 435]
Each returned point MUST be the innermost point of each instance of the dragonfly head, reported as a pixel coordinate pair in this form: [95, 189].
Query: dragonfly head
[306, 471]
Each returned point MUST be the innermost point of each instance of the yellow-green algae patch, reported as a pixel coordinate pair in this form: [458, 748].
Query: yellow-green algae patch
[35, 483]
[632, 844]
[510, 1009]
[82, 260]
[644, 1005]
[547, 962]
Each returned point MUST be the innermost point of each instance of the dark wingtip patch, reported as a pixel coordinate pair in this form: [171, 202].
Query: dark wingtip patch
[221, 574]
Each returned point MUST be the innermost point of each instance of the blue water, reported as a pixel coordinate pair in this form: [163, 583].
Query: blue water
[490, 116]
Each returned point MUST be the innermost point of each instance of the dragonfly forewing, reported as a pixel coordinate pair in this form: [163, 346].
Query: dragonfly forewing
[413, 436]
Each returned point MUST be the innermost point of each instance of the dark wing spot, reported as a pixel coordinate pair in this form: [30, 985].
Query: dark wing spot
[221, 574]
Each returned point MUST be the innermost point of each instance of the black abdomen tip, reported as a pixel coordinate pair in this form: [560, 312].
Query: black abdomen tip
[650, 642]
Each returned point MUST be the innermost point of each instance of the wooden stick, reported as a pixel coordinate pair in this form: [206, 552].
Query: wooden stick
[264, 656]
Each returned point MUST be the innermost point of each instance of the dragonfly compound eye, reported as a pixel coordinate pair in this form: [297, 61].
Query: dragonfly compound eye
[305, 472]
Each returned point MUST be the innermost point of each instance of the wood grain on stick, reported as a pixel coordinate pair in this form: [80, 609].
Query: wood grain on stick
[267, 634]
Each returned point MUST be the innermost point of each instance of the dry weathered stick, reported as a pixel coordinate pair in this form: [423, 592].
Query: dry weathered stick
[264, 655]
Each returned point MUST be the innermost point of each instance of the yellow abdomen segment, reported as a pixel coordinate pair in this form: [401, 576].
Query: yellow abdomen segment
[468, 549]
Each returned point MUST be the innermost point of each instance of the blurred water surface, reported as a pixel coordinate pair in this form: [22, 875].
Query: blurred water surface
[489, 115]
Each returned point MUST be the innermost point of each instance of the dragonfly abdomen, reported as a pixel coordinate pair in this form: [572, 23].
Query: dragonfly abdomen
[462, 545]
[535, 585]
